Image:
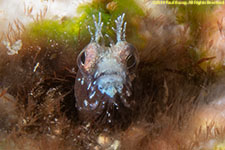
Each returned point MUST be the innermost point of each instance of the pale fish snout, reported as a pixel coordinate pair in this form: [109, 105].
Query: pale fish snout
[110, 85]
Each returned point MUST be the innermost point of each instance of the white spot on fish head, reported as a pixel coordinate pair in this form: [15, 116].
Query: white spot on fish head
[92, 94]
[82, 81]
[85, 103]
[89, 85]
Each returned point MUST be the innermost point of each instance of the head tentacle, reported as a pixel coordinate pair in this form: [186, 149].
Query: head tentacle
[120, 28]
[98, 27]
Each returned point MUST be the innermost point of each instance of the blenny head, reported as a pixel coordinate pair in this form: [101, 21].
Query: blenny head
[103, 85]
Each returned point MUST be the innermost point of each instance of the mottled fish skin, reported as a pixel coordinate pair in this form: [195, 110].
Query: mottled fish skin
[103, 84]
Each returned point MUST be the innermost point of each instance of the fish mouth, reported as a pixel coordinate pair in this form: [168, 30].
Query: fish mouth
[112, 84]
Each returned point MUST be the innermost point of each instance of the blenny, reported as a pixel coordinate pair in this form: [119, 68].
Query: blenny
[103, 87]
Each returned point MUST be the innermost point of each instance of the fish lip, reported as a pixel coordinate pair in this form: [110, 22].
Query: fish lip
[107, 74]
[109, 84]
[115, 76]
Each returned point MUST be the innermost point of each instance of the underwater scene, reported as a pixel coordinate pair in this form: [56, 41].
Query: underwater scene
[112, 75]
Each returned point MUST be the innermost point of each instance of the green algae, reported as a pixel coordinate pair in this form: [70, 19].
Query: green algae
[67, 31]
[73, 31]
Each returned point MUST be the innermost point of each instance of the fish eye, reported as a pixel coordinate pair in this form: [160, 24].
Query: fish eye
[82, 58]
[131, 61]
